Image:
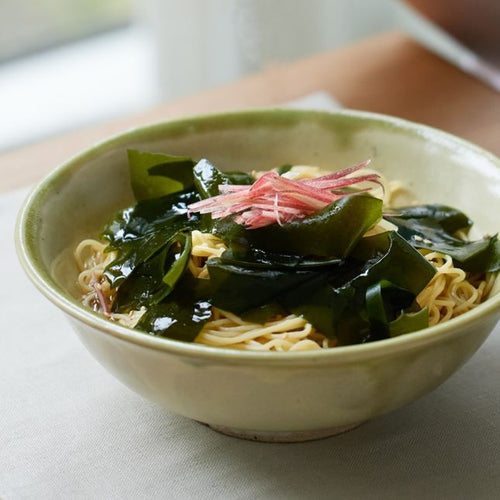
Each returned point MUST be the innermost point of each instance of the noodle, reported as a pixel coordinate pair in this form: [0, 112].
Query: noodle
[91, 258]
[397, 194]
[451, 291]
[205, 246]
[292, 333]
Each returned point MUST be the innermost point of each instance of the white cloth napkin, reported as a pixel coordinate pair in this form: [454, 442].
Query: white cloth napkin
[68, 429]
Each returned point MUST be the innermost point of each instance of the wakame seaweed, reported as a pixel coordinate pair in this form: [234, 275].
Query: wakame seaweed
[208, 178]
[327, 295]
[182, 316]
[434, 227]
[350, 287]
[331, 232]
[157, 174]
[141, 232]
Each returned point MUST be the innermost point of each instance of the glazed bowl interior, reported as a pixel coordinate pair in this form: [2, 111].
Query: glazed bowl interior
[78, 198]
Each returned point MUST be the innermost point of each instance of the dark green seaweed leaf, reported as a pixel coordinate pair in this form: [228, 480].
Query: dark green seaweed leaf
[181, 317]
[133, 253]
[322, 304]
[208, 178]
[143, 284]
[156, 174]
[238, 289]
[331, 232]
[154, 278]
[239, 178]
[283, 169]
[140, 232]
[433, 227]
[447, 218]
[338, 308]
[409, 322]
[180, 262]
[388, 256]
[149, 216]
[334, 296]
[384, 303]
[265, 312]
[254, 258]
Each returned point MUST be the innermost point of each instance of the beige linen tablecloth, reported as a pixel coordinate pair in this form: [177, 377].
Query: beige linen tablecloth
[69, 430]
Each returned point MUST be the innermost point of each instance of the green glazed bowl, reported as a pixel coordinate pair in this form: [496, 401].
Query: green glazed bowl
[268, 396]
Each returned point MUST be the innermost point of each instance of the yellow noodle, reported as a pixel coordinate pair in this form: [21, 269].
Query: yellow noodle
[451, 291]
[204, 246]
[129, 319]
[291, 333]
[91, 259]
[397, 194]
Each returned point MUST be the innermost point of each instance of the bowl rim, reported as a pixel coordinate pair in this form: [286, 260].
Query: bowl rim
[76, 310]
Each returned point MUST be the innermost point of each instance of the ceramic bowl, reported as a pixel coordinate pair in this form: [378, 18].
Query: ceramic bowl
[267, 396]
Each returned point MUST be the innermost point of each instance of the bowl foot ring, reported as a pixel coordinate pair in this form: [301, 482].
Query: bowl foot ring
[283, 436]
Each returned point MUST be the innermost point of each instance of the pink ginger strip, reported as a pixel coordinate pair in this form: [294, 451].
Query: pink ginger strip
[276, 199]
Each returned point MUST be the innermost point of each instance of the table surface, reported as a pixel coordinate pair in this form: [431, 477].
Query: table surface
[388, 74]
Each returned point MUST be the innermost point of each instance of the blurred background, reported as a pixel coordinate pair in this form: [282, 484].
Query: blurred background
[65, 64]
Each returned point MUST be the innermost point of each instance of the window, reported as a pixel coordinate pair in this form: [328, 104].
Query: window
[67, 64]
[33, 25]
